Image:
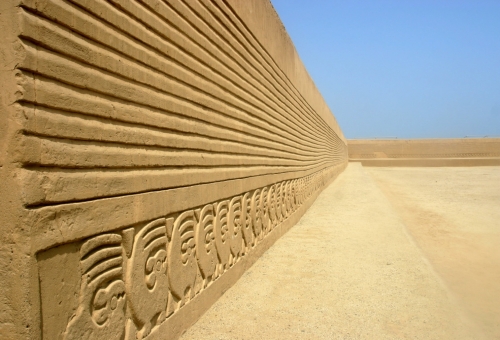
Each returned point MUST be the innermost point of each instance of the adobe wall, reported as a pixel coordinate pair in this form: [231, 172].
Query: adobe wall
[425, 152]
[151, 151]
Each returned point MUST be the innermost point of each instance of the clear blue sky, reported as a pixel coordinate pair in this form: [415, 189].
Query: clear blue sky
[402, 68]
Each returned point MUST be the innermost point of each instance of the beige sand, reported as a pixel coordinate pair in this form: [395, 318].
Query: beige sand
[382, 254]
[453, 214]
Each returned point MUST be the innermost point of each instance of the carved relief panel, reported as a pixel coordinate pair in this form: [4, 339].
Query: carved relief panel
[222, 235]
[234, 222]
[264, 211]
[271, 203]
[127, 283]
[146, 275]
[101, 310]
[182, 268]
[246, 220]
[284, 200]
[206, 252]
[256, 213]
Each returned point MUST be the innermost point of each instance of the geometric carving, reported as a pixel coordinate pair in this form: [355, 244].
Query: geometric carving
[300, 191]
[146, 276]
[284, 199]
[206, 252]
[182, 267]
[271, 203]
[279, 201]
[246, 221]
[291, 199]
[234, 223]
[264, 211]
[293, 195]
[256, 213]
[100, 313]
[222, 235]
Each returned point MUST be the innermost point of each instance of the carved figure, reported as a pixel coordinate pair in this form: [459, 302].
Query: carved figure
[284, 200]
[272, 203]
[264, 211]
[222, 235]
[277, 202]
[300, 191]
[246, 220]
[296, 192]
[206, 251]
[234, 223]
[101, 310]
[182, 268]
[256, 213]
[287, 201]
[146, 277]
[293, 192]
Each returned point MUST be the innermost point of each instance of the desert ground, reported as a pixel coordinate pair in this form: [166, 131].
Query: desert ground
[383, 253]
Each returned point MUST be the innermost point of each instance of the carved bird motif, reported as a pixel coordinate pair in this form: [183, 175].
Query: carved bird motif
[146, 277]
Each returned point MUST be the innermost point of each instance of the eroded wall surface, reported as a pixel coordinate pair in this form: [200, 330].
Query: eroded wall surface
[425, 152]
[151, 151]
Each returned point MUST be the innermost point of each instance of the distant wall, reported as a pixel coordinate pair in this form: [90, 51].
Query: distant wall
[426, 152]
[151, 152]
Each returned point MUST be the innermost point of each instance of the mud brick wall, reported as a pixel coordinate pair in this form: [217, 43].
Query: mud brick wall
[425, 148]
[151, 151]
[425, 152]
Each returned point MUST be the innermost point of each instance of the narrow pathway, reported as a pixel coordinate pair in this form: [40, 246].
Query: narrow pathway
[348, 270]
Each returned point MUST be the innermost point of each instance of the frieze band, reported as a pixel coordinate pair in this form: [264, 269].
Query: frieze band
[134, 279]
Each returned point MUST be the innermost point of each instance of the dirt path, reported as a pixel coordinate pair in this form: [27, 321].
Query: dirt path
[348, 270]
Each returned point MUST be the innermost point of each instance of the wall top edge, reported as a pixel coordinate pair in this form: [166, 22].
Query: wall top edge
[264, 22]
[423, 140]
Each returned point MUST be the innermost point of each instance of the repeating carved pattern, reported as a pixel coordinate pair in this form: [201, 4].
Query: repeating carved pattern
[222, 236]
[271, 201]
[246, 222]
[206, 253]
[102, 291]
[264, 210]
[256, 213]
[146, 277]
[181, 255]
[134, 280]
[234, 227]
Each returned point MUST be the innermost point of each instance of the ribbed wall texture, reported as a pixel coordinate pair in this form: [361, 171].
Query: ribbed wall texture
[153, 148]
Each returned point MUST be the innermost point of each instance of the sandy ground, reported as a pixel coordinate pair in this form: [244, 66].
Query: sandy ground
[453, 214]
[383, 253]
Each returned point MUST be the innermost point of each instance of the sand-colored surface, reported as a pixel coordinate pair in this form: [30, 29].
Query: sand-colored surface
[382, 254]
[133, 134]
[434, 148]
[435, 152]
[453, 214]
